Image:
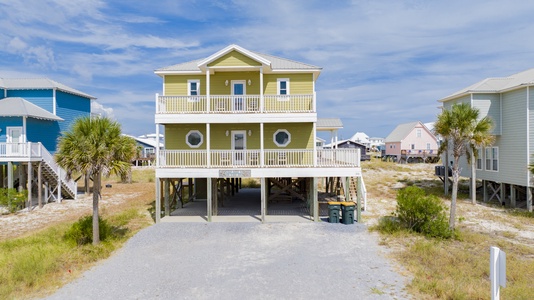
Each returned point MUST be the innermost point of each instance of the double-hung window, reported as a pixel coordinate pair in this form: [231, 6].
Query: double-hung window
[193, 89]
[479, 159]
[492, 159]
[283, 88]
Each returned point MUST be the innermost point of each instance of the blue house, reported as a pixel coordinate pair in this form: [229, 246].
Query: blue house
[33, 113]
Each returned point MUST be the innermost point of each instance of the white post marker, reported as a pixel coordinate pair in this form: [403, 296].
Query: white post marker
[497, 271]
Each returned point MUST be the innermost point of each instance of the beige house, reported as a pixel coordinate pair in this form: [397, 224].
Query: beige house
[411, 142]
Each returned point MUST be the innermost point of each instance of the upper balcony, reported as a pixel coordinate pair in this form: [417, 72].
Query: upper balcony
[231, 104]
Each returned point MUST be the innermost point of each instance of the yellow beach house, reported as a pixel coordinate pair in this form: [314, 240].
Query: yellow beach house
[241, 114]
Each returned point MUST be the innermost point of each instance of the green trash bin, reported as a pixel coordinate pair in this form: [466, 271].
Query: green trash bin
[347, 212]
[333, 211]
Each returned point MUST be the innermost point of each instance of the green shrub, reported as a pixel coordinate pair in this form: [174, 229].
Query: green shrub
[13, 200]
[422, 213]
[388, 224]
[81, 232]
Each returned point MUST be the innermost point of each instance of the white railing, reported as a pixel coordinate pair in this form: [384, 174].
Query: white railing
[288, 103]
[251, 158]
[338, 157]
[235, 104]
[49, 159]
[38, 151]
[181, 104]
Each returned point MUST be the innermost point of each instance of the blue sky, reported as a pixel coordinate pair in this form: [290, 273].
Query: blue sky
[384, 62]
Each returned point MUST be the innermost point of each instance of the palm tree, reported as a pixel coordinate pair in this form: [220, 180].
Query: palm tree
[95, 146]
[462, 130]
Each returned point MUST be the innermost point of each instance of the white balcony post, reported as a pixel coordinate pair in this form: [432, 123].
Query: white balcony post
[29, 186]
[315, 145]
[157, 103]
[208, 101]
[262, 105]
[262, 152]
[208, 145]
[29, 149]
[157, 145]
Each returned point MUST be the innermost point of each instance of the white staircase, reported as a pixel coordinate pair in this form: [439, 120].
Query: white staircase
[54, 174]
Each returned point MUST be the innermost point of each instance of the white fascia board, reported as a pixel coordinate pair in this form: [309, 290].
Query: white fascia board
[259, 172]
[235, 118]
[163, 73]
[227, 50]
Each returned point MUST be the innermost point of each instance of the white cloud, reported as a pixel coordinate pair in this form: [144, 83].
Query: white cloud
[99, 109]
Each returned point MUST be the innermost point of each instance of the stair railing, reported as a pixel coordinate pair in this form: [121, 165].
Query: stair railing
[49, 159]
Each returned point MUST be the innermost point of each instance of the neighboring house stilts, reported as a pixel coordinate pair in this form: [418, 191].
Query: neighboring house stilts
[503, 166]
[242, 114]
[33, 113]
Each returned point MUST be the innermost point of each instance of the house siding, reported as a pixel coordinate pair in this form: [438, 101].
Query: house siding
[489, 105]
[531, 130]
[298, 83]
[301, 136]
[8, 122]
[512, 144]
[71, 107]
[46, 132]
[234, 58]
[465, 99]
[41, 98]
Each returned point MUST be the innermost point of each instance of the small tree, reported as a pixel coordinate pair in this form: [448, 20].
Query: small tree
[95, 146]
[461, 129]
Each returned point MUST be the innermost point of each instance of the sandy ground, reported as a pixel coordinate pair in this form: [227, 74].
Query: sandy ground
[23, 222]
[381, 185]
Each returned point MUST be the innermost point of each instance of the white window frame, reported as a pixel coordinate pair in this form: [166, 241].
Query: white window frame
[193, 98]
[479, 159]
[282, 97]
[288, 137]
[492, 159]
[418, 132]
[187, 138]
[428, 146]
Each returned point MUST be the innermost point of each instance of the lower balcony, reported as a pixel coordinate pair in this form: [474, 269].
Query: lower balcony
[222, 159]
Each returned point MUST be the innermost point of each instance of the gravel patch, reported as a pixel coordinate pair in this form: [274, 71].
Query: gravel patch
[243, 261]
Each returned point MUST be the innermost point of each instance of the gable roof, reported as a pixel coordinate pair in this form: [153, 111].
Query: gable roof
[18, 107]
[269, 62]
[496, 85]
[39, 84]
[401, 131]
[342, 142]
[360, 136]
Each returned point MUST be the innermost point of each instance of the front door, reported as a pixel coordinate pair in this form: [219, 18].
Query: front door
[238, 92]
[239, 145]
[14, 141]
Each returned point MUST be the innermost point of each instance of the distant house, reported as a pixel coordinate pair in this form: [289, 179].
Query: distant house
[411, 140]
[33, 113]
[147, 145]
[376, 142]
[509, 102]
[319, 142]
[348, 144]
[362, 138]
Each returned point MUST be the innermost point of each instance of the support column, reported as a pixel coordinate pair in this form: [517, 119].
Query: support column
[208, 145]
[446, 178]
[167, 203]
[29, 186]
[40, 184]
[473, 178]
[529, 199]
[59, 185]
[346, 190]
[158, 200]
[209, 196]
[503, 193]
[262, 158]
[485, 190]
[359, 200]
[315, 199]
[189, 189]
[513, 196]
[263, 183]
[10, 178]
[1, 176]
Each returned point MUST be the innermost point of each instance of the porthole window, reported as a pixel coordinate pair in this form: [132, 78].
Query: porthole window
[194, 138]
[282, 138]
